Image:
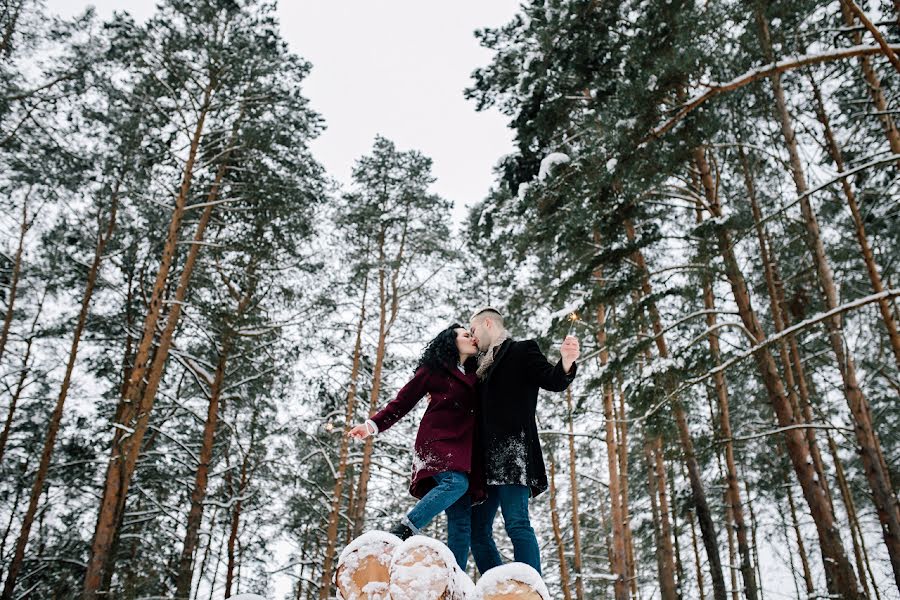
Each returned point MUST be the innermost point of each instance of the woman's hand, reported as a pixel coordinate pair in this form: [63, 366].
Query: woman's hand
[359, 432]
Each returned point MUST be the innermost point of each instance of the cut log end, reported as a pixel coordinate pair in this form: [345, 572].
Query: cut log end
[363, 571]
[512, 590]
[424, 569]
[513, 581]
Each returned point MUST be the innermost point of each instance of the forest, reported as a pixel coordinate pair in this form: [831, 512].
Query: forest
[194, 312]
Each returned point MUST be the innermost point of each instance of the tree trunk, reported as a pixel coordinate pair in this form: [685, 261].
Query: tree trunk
[386, 319]
[573, 485]
[664, 549]
[235, 523]
[873, 30]
[557, 536]
[679, 565]
[697, 564]
[20, 385]
[337, 494]
[834, 557]
[625, 509]
[868, 443]
[698, 493]
[733, 493]
[14, 279]
[201, 477]
[53, 426]
[801, 547]
[795, 380]
[873, 84]
[856, 534]
[872, 269]
[652, 484]
[118, 474]
[617, 548]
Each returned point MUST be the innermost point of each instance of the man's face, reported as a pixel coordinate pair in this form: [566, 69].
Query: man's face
[481, 333]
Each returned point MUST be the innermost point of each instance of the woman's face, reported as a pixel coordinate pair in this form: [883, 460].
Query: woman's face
[465, 343]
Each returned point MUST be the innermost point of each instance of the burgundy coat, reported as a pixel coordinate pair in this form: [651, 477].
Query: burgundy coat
[447, 432]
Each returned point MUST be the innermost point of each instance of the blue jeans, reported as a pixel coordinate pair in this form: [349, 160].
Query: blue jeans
[450, 495]
[512, 500]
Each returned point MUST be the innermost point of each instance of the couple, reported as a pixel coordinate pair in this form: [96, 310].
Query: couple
[477, 448]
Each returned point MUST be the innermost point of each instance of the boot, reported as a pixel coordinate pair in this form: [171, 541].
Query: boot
[401, 530]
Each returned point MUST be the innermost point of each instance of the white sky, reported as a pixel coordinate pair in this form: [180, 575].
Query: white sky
[390, 67]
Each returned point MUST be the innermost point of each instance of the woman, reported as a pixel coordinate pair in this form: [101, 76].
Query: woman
[443, 476]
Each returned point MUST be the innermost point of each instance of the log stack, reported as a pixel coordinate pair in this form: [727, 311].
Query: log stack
[378, 566]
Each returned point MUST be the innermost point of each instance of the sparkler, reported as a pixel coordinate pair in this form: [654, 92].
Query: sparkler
[572, 318]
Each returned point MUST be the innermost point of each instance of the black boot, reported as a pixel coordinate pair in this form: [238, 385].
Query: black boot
[401, 530]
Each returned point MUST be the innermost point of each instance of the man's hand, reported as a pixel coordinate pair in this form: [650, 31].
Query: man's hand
[570, 352]
[359, 432]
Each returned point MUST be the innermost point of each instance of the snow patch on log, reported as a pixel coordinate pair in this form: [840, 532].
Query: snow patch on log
[501, 580]
[425, 568]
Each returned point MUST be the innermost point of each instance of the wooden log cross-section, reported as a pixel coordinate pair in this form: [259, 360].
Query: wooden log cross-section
[425, 569]
[363, 571]
[512, 581]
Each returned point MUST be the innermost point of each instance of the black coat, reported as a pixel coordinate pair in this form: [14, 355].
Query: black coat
[508, 399]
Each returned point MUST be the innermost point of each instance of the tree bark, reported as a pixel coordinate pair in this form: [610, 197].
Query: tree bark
[337, 494]
[20, 386]
[856, 534]
[668, 591]
[872, 269]
[834, 557]
[733, 493]
[557, 536]
[135, 409]
[873, 84]
[388, 311]
[698, 493]
[617, 548]
[14, 279]
[869, 445]
[801, 547]
[53, 426]
[868, 24]
[795, 380]
[201, 477]
[573, 485]
[664, 576]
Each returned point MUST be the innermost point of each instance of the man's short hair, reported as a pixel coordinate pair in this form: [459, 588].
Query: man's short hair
[488, 311]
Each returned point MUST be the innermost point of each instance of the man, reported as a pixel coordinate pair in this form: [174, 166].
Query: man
[510, 373]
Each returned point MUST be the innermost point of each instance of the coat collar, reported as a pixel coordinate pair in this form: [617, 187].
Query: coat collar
[498, 356]
[468, 378]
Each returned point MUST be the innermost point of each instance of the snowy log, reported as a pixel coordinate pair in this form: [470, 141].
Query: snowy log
[363, 571]
[425, 569]
[513, 581]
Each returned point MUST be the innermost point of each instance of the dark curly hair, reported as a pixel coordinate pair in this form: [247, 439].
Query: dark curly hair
[441, 352]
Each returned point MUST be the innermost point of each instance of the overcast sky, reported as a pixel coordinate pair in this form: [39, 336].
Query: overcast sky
[390, 67]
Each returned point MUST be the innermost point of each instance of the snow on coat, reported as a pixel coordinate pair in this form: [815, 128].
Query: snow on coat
[508, 402]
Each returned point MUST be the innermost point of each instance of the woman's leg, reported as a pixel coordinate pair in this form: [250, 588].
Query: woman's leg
[484, 550]
[459, 529]
[451, 486]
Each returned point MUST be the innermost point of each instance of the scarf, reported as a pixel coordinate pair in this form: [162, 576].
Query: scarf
[487, 359]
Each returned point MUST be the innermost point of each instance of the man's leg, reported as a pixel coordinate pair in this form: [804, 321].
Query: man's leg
[459, 529]
[451, 486]
[514, 505]
[484, 550]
